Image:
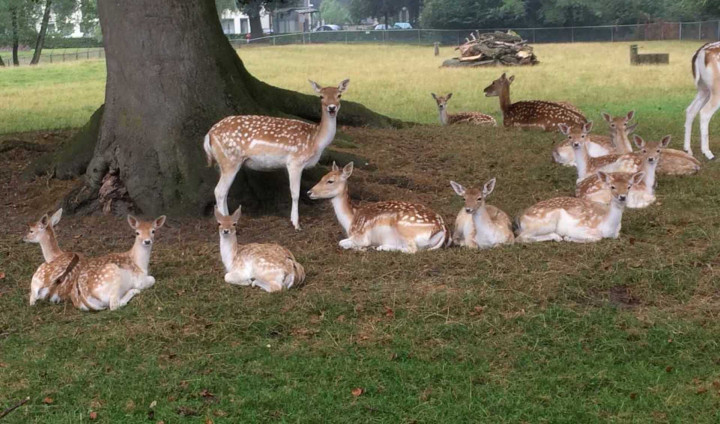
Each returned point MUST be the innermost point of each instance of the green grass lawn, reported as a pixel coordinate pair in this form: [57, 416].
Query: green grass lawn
[623, 330]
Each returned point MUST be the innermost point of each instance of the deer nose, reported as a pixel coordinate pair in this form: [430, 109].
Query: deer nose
[332, 108]
[651, 160]
[622, 197]
[226, 231]
[468, 210]
[147, 242]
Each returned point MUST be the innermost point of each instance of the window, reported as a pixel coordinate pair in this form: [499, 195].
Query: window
[244, 26]
[228, 26]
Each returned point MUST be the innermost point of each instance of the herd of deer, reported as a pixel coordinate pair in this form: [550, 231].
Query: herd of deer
[611, 177]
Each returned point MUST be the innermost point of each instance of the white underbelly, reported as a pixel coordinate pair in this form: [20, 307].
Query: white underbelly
[266, 162]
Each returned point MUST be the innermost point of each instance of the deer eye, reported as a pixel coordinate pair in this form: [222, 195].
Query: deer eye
[331, 181]
[234, 224]
[339, 95]
[612, 125]
[612, 187]
[479, 198]
[322, 97]
[137, 233]
[152, 231]
[658, 150]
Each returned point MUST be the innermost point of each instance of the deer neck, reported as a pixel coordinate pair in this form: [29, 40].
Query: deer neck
[140, 255]
[343, 209]
[480, 217]
[649, 179]
[621, 141]
[228, 249]
[325, 132]
[581, 162]
[49, 245]
[505, 99]
[611, 224]
[443, 116]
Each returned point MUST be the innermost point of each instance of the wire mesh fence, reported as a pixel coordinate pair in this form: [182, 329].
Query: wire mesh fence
[55, 55]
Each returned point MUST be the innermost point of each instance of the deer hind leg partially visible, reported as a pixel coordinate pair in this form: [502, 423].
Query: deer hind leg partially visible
[227, 176]
[701, 98]
[706, 114]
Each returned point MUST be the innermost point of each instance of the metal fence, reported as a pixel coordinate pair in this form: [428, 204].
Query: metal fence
[55, 55]
[706, 30]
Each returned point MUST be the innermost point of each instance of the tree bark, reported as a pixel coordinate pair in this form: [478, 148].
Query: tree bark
[15, 36]
[155, 116]
[253, 10]
[40, 41]
[2, 64]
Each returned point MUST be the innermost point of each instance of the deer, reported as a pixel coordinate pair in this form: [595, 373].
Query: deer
[265, 143]
[474, 118]
[479, 225]
[268, 266]
[597, 145]
[53, 279]
[628, 162]
[641, 195]
[531, 114]
[706, 74]
[577, 220]
[111, 281]
[387, 226]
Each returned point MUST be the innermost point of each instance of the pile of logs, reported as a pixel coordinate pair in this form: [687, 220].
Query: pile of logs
[493, 48]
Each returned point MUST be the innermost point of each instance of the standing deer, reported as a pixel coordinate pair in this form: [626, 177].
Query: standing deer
[402, 226]
[53, 279]
[110, 281]
[577, 220]
[268, 266]
[473, 118]
[479, 225]
[706, 72]
[534, 113]
[263, 143]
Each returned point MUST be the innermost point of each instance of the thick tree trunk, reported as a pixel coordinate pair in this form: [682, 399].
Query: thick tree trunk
[15, 36]
[156, 114]
[253, 9]
[2, 64]
[40, 42]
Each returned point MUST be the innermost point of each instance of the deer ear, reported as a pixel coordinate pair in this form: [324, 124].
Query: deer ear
[587, 127]
[637, 178]
[604, 177]
[315, 86]
[630, 115]
[448, 96]
[335, 167]
[55, 218]
[665, 141]
[489, 187]
[503, 76]
[218, 215]
[512, 78]
[159, 221]
[44, 220]
[564, 128]
[236, 215]
[460, 190]
[639, 142]
[434, 96]
[631, 128]
[132, 221]
[606, 116]
[343, 85]
[347, 170]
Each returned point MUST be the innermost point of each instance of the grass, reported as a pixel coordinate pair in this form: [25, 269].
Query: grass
[623, 330]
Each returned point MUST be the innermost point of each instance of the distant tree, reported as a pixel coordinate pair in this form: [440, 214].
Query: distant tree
[360, 9]
[335, 12]
[40, 41]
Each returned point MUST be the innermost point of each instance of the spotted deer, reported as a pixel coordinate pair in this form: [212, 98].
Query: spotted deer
[479, 225]
[628, 162]
[268, 266]
[473, 118]
[577, 220]
[597, 145]
[620, 130]
[533, 113]
[53, 280]
[111, 281]
[393, 225]
[641, 195]
[264, 143]
[706, 72]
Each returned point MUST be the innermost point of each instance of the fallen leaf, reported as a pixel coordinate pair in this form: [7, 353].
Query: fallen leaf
[633, 396]
[93, 415]
[668, 369]
[208, 421]
[220, 413]
[153, 404]
[389, 312]
[357, 391]
[701, 390]
[2, 275]
[206, 393]
[48, 400]
[183, 384]
[185, 411]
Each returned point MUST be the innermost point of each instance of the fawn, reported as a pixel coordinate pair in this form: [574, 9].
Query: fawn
[392, 225]
[479, 225]
[268, 266]
[474, 118]
[578, 220]
[597, 145]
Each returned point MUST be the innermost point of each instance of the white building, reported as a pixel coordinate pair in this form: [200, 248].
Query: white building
[236, 22]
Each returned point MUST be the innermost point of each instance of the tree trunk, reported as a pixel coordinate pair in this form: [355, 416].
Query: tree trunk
[2, 64]
[41, 35]
[15, 41]
[253, 9]
[156, 115]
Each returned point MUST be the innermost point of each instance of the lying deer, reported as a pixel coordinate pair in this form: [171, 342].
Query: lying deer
[402, 226]
[264, 143]
[53, 279]
[628, 162]
[268, 266]
[112, 280]
[479, 225]
[473, 118]
[598, 145]
[534, 113]
[577, 220]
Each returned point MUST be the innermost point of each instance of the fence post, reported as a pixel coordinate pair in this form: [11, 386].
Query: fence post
[700, 31]
[572, 34]
[533, 33]
[419, 40]
[51, 53]
[612, 34]
[346, 37]
[680, 31]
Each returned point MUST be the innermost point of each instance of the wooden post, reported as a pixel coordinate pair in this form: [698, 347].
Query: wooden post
[633, 54]
[437, 48]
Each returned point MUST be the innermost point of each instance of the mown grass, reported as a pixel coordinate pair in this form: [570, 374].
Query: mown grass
[623, 330]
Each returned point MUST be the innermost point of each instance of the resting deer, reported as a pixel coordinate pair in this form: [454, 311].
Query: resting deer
[642, 193]
[577, 220]
[111, 281]
[479, 225]
[474, 118]
[628, 162]
[264, 143]
[597, 145]
[402, 226]
[531, 114]
[268, 266]
[706, 72]
[53, 279]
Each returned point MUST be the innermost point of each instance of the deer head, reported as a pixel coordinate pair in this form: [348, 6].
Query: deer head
[333, 183]
[651, 150]
[227, 225]
[620, 184]
[441, 101]
[145, 230]
[474, 197]
[497, 86]
[330, 96]
[41, 229]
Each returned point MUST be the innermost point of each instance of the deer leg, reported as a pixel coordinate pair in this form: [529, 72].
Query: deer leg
[706, 114]
[294, 174]
[227, 176]
[698, 102]
[122, 301]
